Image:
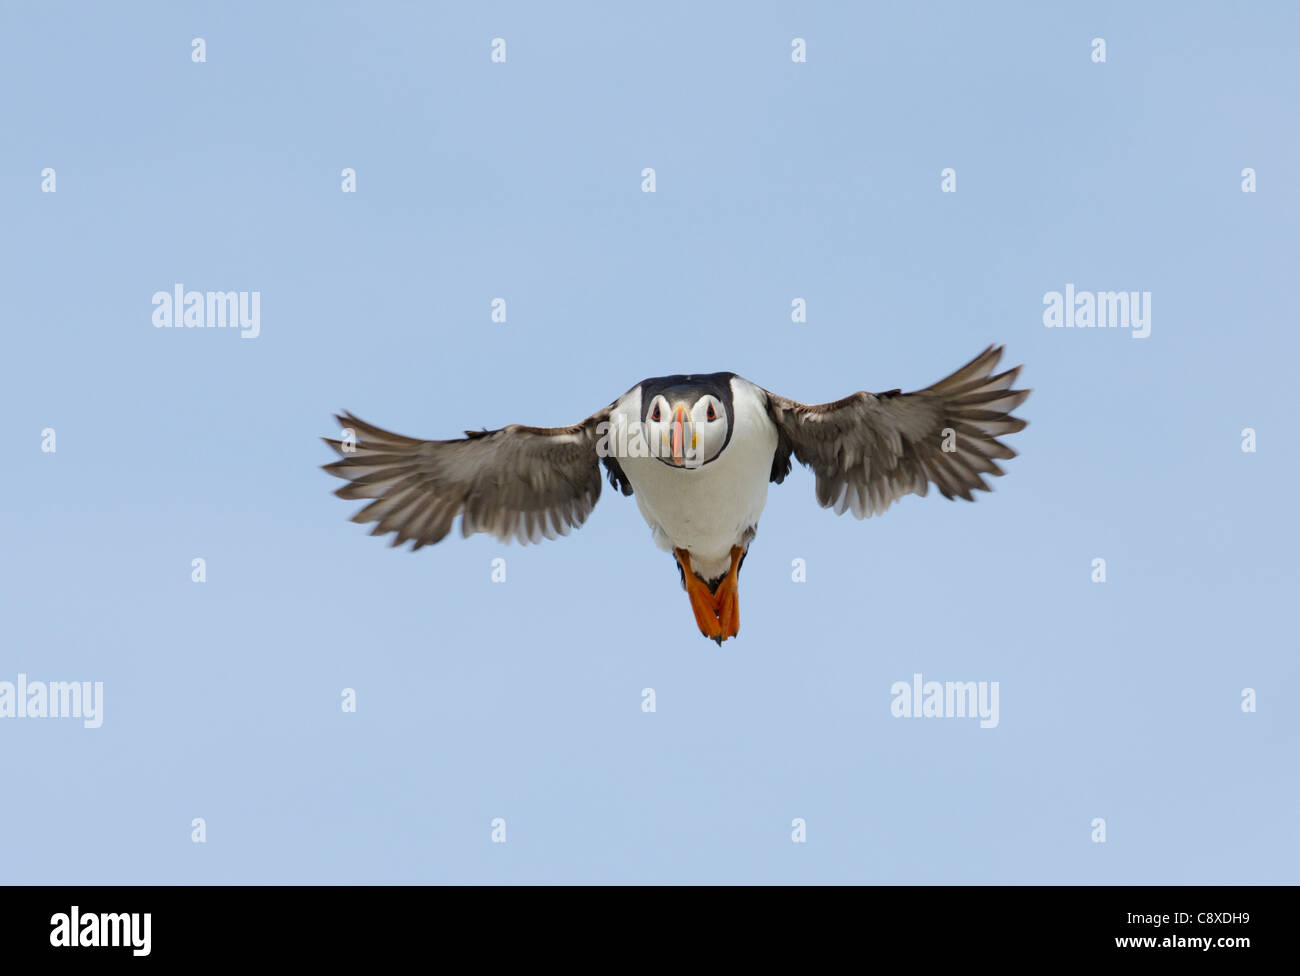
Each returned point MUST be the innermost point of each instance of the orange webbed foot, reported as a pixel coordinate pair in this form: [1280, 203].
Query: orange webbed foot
[727, 598]
[728, 604]
[702, 603]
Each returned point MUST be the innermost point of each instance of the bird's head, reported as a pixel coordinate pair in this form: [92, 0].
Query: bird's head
[688, 424]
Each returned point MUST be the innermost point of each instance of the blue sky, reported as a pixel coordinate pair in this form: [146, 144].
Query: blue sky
[522, 700]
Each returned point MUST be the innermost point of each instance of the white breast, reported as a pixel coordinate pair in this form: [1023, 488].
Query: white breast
[709, 509]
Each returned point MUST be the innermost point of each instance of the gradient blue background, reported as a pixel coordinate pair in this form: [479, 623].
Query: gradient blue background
[522, 180]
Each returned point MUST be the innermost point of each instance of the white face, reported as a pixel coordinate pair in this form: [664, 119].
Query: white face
[683, 434]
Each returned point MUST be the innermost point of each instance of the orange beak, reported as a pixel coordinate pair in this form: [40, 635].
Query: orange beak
[679, 420]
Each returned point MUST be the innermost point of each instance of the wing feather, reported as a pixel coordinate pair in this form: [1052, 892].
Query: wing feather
[868, 450]
[524, 483]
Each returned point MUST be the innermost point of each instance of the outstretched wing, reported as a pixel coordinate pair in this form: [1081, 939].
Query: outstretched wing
[869, 449]
[524, 483]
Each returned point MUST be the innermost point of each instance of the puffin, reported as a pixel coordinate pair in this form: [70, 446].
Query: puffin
[697, 452]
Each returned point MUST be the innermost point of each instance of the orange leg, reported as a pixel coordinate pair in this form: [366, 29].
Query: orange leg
[706, 617]
[727, 597]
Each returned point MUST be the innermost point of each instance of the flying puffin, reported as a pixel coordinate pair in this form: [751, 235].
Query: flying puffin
[697, 452]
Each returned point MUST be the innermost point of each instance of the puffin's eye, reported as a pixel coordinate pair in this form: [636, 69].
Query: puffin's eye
[711, 416]
[655, 414]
